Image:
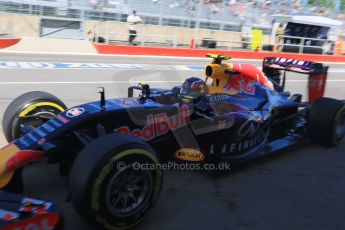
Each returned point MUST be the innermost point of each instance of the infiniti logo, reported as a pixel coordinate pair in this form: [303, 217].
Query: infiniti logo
[248, 129]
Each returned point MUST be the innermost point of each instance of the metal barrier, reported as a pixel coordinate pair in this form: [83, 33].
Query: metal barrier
[172, 41]
[225, 44]
[301, 43]
[143, 39]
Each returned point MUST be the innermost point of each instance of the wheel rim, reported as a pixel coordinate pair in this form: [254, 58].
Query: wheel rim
[340, 127]
[34, 119]
[128, 190]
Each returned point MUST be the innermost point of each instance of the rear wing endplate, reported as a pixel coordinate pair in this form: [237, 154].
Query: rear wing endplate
[275, 67]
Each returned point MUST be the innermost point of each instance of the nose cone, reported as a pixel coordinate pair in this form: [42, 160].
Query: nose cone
[6, 154]
[12, 158]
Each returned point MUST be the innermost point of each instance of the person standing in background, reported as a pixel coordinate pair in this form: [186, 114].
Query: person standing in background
[133, 20]
[280, 37]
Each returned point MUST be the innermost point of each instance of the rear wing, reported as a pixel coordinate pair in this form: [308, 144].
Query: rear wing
[292, 65]
[276, 67]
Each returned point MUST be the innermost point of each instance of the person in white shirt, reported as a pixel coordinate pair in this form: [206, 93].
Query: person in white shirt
[133, 20]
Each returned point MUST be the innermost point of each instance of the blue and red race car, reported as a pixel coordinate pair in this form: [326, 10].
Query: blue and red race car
[235, 114]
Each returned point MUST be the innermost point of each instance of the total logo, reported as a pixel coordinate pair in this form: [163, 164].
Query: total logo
[188, 154]
[158, 124]
[74, 112]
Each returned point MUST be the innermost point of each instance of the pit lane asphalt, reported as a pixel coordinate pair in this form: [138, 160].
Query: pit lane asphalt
[299, 188]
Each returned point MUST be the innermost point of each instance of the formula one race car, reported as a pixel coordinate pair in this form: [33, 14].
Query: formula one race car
[237, 113]
[21, 213]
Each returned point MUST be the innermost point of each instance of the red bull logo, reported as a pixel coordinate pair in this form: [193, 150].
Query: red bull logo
[239, 84]
[158, 124]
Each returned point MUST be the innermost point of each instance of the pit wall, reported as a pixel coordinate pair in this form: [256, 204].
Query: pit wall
[183, 35]
[26, 31]
[51, 45]
[153, 51]
[30, 26]
[20, 25]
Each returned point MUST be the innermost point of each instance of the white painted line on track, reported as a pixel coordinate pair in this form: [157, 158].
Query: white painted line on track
[330, 80]
[144, 56]
[115, 82]
[82, 82]
[78, 66]
[110, 55]
[111, 66]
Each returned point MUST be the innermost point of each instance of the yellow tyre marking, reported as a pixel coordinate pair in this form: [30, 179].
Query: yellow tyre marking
[35, 105]
[104, 172]
[5, 154]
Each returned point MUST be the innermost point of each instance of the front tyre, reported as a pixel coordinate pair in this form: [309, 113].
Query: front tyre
[326, 121]
[110, 184]
[31, 109]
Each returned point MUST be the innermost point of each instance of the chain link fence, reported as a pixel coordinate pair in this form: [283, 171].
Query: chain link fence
[214, 15]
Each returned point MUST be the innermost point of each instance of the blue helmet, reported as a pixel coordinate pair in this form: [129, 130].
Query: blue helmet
[193, 87]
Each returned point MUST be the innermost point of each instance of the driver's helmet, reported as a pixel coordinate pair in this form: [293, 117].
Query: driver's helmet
[193, 88]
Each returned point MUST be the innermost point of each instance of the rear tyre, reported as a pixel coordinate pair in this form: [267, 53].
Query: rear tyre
[326, 121]
[107, 186]
[33, 109]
